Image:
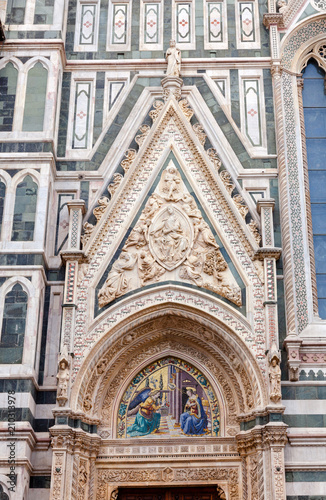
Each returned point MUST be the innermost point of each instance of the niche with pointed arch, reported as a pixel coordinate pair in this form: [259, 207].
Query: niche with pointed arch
[169, 398]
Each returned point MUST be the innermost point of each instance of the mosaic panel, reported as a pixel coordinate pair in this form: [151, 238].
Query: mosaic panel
[81, 115]
[247, 21]
[252, 111]
[215, 22]
[119, 26]
[183, 13]
[152, 23]
[87, 24]
[169, 398]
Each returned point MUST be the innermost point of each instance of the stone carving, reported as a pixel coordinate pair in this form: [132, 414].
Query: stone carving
[173, 58]
[82, 479]
[170, 237]
[199, 131]
[145, 129]
[170, 234]
[157, 475]
[227, 181]
[63, 379]
[221, 493]
[117, 283]
[88, 229]
[149, 269]
[100, 209]
[239, 203]
[253, 226]
[214, 158]
[82, 271]
[158, 106]
[186, 109]
[130, 155]
[114, 494]
[57, 471]
[282, 6]
[274, 372]
[113, 186]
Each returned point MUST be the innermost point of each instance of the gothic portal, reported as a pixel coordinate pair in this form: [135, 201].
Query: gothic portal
[162, 249]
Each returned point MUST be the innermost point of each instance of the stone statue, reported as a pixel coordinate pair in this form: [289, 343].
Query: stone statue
[117, 283]
[274, 373]
[173, 57]
[63, 379]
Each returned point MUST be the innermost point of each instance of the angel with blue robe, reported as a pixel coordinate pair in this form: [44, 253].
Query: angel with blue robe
[148, 418]
[194, 420]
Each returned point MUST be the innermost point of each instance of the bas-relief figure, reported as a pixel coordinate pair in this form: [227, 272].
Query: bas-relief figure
[169, 402]
[173, 57]
[171, 240]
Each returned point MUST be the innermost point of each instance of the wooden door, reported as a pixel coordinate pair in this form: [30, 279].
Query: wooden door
[177, 493]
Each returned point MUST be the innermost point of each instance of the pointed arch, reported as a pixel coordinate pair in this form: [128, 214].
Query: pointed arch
[25, 210]
[35, 96]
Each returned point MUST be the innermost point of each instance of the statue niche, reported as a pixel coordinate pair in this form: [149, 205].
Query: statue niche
[170, 241]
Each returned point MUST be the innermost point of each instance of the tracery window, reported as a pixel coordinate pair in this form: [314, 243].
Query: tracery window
[314, 105]
[25, 210]
[8, 85]
[13, 325]
[35, 98]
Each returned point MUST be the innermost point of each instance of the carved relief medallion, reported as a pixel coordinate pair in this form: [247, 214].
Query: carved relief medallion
[170, 241]
[170, 237]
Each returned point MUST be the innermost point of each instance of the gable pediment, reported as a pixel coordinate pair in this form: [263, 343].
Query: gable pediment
[173, 173]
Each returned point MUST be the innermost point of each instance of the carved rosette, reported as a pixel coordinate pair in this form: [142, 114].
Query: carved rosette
[171, 241]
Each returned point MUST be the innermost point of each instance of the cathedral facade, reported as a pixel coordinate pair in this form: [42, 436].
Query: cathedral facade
[163, 249]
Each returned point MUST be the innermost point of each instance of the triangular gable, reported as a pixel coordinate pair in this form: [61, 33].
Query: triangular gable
[171, 131]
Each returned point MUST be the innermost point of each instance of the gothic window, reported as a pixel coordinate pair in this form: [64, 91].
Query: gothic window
[2, 201]
[8, 84]
[25, 210]
[15, 11]
[314, 104]
[13, 325]
[35, 98]
[43, 13]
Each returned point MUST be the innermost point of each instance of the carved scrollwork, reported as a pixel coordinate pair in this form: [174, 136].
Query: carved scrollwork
[214, 158]
[100, 209]
[130, 155]
[199, 131]
[239, 203]
[186, 109]
[158, 106]
[145, 129]
[227, 181]
[113, 186]
[88, 229]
